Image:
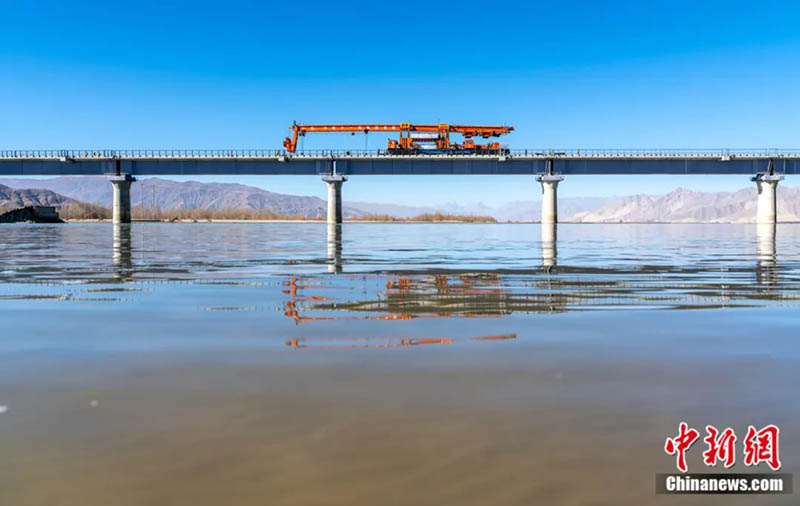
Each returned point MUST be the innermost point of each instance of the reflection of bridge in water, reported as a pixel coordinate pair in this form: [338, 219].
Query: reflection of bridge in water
[549, 288]
[753, 277]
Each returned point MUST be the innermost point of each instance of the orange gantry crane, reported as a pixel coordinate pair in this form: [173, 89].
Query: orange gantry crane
[415, 138]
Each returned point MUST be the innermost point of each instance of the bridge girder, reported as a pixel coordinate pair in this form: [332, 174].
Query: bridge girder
[397, 165]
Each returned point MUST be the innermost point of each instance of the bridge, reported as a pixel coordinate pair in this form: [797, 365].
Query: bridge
[766, 167]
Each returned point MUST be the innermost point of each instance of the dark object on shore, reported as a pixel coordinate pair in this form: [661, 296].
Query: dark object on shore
[34, 214]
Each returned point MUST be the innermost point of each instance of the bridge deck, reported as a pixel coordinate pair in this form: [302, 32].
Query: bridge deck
[271, 162]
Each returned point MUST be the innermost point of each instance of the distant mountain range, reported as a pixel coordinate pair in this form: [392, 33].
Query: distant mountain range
[680, 205]
[165, 194]
[687, 206]
[527, 210]
[11, 198]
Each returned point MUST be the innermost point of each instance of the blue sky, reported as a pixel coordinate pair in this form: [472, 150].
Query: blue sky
[582, 75]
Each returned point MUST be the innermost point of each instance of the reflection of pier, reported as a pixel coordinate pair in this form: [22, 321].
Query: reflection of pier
[334, 247]
[122, 252]
[766, 259]
[549, 247]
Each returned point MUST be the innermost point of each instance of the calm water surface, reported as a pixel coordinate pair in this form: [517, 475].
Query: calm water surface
[386, 364]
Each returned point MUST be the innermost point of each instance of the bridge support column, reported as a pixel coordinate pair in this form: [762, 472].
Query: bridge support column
[121, 211]
[767, 209]
[549, 200]
[335, 182]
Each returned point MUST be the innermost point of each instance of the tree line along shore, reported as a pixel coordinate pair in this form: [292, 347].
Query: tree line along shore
[91, 212]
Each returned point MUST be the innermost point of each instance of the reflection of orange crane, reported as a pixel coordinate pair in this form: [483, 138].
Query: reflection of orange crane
[403, 285]
[416, 138]
[355, 343]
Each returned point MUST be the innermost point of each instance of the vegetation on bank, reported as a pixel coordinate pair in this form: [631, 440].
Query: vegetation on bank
[83, 211]
[91, 212]
[200, 214]
[430, 217]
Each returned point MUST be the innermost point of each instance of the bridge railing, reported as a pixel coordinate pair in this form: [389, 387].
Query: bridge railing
[665, 153]
[104, 154]
[141, 153]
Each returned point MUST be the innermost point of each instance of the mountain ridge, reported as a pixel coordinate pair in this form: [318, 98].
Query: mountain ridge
[12, 198]
[681, 205]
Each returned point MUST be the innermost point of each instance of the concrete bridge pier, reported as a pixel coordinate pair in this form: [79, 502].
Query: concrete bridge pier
[549, 221]
[122, 197]
[335, 182]
[549, 198]
[767, 210]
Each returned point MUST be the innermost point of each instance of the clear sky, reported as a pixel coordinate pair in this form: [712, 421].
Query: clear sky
[583, 74]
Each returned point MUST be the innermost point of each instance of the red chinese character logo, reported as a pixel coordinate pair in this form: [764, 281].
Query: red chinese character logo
[762, 446]
[681, 444]
[720, 447]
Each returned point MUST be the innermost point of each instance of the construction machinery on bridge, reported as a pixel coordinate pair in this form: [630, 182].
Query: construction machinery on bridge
[416, 139]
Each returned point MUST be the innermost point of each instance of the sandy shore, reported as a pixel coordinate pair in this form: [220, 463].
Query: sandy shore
[295, 221]
[435, 222]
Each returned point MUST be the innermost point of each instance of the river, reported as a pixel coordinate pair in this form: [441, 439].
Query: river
[376, 364]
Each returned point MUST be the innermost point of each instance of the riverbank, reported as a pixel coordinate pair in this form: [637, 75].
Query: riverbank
[411, 221]
[321, 220]
[266, 216]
